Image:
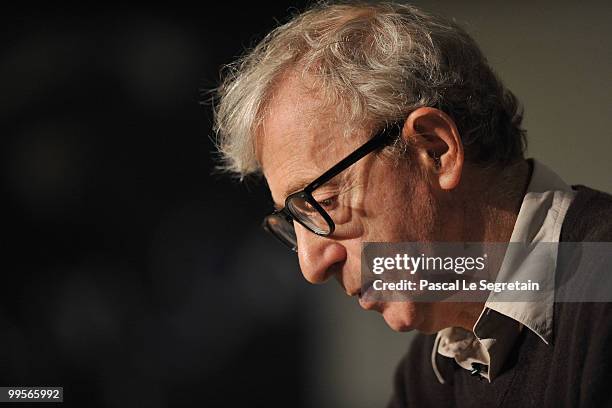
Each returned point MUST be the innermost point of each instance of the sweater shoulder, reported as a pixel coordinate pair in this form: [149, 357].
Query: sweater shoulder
[589, 217]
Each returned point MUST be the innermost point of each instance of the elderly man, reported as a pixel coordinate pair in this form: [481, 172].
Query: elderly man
[382, 123]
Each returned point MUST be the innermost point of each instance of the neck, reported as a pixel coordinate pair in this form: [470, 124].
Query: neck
[491, 208]
[491, 202]
[504, 202]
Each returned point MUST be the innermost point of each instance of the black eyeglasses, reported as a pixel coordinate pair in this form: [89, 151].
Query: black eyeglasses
[305, 209]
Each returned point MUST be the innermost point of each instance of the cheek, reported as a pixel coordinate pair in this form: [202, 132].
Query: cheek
[401, 213]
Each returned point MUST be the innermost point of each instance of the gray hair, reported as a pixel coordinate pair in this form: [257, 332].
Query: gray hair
[376, 63]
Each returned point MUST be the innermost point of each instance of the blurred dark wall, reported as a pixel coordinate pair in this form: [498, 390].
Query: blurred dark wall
[128, 269]
[132, 276]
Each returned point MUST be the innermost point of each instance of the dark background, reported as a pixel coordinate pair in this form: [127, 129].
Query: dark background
[133, 276]
[125, 276]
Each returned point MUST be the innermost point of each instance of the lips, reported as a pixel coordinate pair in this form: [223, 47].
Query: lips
[365, 287]
[366, 297]
[361, 290]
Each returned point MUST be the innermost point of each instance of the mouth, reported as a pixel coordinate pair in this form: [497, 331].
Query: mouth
[361, 291]
[366, 297]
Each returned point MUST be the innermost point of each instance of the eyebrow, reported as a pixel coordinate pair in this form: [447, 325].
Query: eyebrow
[294, 187]
[297, 185]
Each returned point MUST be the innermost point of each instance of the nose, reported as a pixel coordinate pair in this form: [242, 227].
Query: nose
[318, 255]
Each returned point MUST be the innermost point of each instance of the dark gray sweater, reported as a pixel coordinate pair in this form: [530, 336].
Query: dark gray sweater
[575, 370]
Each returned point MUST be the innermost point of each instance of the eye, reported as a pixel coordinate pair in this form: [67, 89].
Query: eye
[328, 203]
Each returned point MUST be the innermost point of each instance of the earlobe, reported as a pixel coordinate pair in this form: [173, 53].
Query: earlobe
[439, 147]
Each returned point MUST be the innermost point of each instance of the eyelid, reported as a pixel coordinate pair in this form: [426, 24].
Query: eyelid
[325, 194]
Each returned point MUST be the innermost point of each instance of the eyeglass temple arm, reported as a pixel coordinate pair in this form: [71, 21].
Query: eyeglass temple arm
[386, 136]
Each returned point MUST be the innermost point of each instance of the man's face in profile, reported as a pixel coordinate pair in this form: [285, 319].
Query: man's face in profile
[376, 199]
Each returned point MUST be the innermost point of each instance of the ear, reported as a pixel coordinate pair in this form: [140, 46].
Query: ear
[439, 148]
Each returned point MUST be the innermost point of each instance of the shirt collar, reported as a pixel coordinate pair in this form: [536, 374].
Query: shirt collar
[539, 220]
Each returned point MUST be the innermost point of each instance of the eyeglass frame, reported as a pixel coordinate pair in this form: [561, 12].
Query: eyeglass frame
[383, 138]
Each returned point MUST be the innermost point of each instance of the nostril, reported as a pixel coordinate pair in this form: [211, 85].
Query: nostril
[335, 269]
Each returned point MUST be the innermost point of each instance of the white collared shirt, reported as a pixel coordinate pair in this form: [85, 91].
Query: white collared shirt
[540, 219]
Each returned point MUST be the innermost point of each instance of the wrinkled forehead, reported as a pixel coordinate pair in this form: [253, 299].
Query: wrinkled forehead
[299, 137]
[294, 119]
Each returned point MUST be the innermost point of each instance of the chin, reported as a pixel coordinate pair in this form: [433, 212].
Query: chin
[402, 316]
